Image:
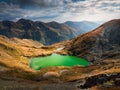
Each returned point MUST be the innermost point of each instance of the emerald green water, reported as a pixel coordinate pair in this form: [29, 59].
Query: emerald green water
[57, 60]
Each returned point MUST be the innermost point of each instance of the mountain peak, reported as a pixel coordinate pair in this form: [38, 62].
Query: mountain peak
[24, 20]
[111, 22]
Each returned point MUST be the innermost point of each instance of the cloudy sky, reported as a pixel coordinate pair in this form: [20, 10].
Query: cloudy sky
[60, 10]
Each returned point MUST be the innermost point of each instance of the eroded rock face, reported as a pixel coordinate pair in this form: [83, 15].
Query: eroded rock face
[98, 44]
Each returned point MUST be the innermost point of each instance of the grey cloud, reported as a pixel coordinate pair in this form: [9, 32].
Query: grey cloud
[40, 3]
[57, 9]
[110, 6]
[10, 11]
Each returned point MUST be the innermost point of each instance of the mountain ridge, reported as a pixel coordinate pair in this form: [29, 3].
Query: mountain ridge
[101, 43]
[37, 30]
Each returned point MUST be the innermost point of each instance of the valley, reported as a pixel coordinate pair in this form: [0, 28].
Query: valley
[59, 44]
[99, 47]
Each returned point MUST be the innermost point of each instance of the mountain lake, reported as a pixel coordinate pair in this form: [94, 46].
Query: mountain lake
[57, 60]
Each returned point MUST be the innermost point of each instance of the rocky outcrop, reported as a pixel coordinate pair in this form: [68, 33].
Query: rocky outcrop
[49, 75]
[98, 44]
[46, 33]
[106, 80]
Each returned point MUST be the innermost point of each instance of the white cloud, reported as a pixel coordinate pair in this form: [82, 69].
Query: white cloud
[93, 10]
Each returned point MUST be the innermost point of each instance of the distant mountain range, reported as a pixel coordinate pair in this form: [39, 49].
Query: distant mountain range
[83, 26]
[46, 33]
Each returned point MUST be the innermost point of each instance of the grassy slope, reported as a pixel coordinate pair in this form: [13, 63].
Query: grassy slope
[14, 62]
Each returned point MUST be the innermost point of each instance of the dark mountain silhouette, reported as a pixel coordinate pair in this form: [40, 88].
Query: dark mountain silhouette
[101, 43]
[82, 27]
[46, 33]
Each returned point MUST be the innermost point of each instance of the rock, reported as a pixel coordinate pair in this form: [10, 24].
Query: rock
[107, 84]
[49, 75]
[102, 79]
[64, 72]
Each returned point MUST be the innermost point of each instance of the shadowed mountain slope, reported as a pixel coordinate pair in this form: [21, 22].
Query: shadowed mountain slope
[101, 43]
[39, 31]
